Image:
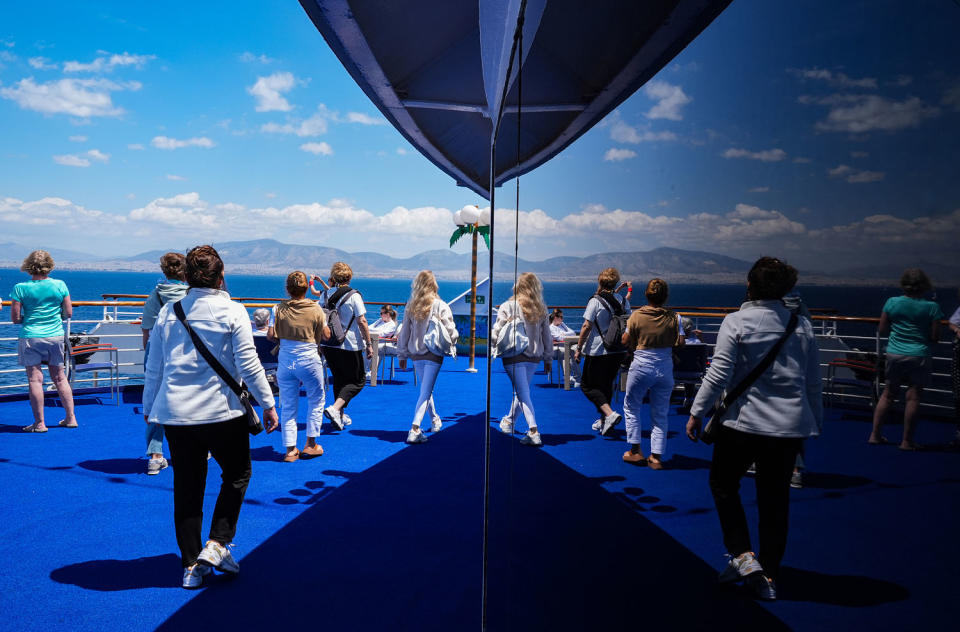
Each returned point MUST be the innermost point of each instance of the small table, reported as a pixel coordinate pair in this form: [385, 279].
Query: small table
[568, 343]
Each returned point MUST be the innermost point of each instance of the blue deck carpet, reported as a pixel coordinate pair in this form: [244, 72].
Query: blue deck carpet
[377, 535]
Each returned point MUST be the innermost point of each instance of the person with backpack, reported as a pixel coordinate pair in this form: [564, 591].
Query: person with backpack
[523, 340]
[604, 323]
[652, 333]
[349, 340]
[427, 335]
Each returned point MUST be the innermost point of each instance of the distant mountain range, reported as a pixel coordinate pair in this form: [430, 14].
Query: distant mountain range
[268, 256]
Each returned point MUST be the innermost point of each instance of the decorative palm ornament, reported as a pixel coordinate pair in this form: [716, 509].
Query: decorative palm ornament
[471, 220]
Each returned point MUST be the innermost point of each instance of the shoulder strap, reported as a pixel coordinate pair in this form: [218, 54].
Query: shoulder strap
[205, 352]
[763, 365]
[614, 306]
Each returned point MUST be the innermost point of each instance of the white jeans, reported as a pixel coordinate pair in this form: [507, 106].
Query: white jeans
[294, 369]
[521, 374]
[656, 377]
[427, 372]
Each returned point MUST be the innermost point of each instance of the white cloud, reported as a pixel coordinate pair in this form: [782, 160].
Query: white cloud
[108, 63]
[81, 160]
[248, 58]
[131, 196]
[758, 190]
[175, 178]
[878, 237]
[78, 139]
[41, 63]
[801, 161]
[60, 219]
[767, 155]
[270, 195]
[865, 113]
[951, 98]
[365, 119]
[616, 155]
[670, 99]
[316, 125]
[859, 154]
[855, 176]
[622, 132]
[837, 78]
[401, 151]
[135, 147]
[317, 148]
[268, 91]
[164, 142]
[76, 97]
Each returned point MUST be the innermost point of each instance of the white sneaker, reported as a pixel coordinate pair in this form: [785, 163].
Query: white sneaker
[436, 425]
[532, 439]
[217, 556]
[416, 436]
[154, 465]
[796, 480]
[739, 567]
[334, 416]
[506, 426]
[752, 470]
[609, 422]
[193, 576]
[597, 425]
[346, 418]
[763, 587]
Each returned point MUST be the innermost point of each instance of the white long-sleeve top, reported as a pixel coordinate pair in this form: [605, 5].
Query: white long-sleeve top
[785, 401]
[541, 340]
[179, 386]
[410, 339]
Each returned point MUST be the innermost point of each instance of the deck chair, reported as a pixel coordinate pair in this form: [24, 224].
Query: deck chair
[265, 348]
[79, 356]
[689, 366]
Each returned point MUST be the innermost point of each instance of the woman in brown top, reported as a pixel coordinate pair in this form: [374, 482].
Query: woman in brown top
[652, 332]
[300, 325]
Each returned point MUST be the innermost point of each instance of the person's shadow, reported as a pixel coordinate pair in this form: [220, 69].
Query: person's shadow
[856, 591]
[113, 575]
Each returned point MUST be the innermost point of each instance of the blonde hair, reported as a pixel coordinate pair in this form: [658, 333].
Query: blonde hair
[296, 284]
[341, 273]
[608, 280]
[528, 292]
[37, 263]
[423, 291]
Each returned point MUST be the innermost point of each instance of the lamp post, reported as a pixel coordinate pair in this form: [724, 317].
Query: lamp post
[470, 219]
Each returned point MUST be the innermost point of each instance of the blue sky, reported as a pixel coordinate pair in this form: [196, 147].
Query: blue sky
[825, 132]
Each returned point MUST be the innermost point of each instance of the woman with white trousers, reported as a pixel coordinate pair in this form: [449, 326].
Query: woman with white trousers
[423, 307]
[300, 325]
[525, 305]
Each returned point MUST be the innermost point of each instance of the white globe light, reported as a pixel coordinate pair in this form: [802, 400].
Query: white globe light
[458, 219]
[469, 214]
[485, 217]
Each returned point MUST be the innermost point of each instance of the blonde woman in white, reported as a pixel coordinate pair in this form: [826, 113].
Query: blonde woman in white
[526, 304]
[424, 305]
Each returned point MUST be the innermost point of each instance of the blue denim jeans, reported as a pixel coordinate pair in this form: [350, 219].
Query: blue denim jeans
[154, 431]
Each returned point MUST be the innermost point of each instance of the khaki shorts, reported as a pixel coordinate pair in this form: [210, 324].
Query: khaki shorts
[912, 370]
[35, 351]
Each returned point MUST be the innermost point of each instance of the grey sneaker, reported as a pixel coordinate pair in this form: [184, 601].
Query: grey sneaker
[436, 425]
[752, 470]
[597, 425]
[763, 587]
[506, 426]
[609, 422]
[796, 480]
[334, 416]
[155, 465]
[532, 439]
[346, 418]
[739, 567]
[217, 556]
[193, 576]
[416, 436]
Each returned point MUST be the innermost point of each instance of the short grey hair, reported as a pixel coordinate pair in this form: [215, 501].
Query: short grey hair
[261, 317]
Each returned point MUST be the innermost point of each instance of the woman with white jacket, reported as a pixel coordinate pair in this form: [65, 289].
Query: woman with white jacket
[526, 305]
[424, 305]
[200, 412]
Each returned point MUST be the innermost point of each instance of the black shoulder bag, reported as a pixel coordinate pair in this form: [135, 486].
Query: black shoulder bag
[712, 428]
[250, 414]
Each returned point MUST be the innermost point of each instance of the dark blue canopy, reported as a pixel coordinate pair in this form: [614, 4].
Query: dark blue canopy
[437, 69]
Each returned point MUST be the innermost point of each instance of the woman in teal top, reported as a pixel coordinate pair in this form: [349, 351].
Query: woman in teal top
[914, 325]
[40, 305]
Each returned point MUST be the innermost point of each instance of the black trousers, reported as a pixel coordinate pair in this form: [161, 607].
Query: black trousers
[955, 375]
[349, 375]
[774, 457]
[596, 379]
[229, 443]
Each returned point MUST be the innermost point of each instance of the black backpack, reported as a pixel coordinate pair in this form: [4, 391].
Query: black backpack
[338, 333]
[613, 335]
